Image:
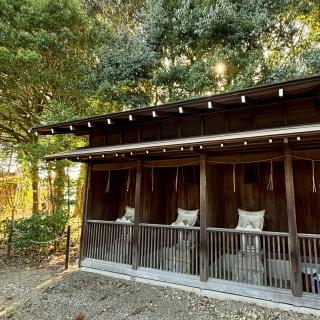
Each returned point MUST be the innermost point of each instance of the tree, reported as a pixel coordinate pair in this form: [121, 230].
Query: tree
[170, 52]
[124, 72]
[10, 186]
[45, 52]
[292, 47]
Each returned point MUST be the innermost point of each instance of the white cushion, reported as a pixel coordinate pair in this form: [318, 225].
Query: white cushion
[188, 211]
[186, 217]
[250, 220]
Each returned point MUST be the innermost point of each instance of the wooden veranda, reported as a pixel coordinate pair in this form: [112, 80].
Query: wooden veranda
[255, 150]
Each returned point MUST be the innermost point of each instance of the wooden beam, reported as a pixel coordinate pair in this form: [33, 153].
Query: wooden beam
[294, 249]
[231, 137]
[226, 121]
[172, 162]
[85, 213]
[317, 106]
[203, 219]
[244, 157]
[284, 113]
[307, 153]
[113, 165]
[137, 215]
[201, 126]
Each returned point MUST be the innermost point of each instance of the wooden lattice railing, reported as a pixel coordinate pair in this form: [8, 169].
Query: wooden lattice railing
[169, 248]
[259, 258]
[109, 241]
[310, 262]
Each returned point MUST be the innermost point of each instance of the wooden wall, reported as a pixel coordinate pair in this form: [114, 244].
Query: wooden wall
[307, 202]
[160, 205]
[250, 196]
[111, 205]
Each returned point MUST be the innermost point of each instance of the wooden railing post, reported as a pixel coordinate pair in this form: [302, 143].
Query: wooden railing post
[68, 242]
[203, 219]
[294, 249]
[137, 215]
[85, 213]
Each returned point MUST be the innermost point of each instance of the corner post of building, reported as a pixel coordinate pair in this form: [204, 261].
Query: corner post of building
[85, 213]
[294, 249]
[203, 218]
[137, 216]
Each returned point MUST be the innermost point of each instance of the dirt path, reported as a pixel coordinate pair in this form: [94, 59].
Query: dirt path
[28, 292]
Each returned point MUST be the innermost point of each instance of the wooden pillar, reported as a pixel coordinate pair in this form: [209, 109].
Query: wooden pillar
[137, 215]
[203, 219]
[294, 249]
[85, 213]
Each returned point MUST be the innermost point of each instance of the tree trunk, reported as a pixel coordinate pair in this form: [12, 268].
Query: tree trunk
[13, 210]
[59, 186]
[51, 196]
[35, 186]
[80, 191]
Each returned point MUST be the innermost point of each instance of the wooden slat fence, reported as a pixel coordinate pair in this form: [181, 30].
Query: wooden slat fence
[259, 258]
[109, 241]
[169, 248]
[310, 262]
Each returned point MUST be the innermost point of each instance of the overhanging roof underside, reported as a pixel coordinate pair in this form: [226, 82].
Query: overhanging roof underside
[218, 141]
[259, 96]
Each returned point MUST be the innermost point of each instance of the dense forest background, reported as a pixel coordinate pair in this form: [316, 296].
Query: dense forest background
[65, 59]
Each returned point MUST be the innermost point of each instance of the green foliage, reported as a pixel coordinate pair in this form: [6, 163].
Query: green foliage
[180, 41]
[45, 56]
[125, 64]
[40, 227]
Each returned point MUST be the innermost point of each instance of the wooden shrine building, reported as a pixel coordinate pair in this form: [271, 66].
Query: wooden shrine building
[219, 192]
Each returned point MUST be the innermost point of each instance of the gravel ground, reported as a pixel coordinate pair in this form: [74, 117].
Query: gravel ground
[49, 292]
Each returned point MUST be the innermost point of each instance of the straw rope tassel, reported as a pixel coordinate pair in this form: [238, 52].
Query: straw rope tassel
[107, 190]
[234, 177]
[152, 179]
[177, 175]
[270, 183]
[314, 187]
[128, 181]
